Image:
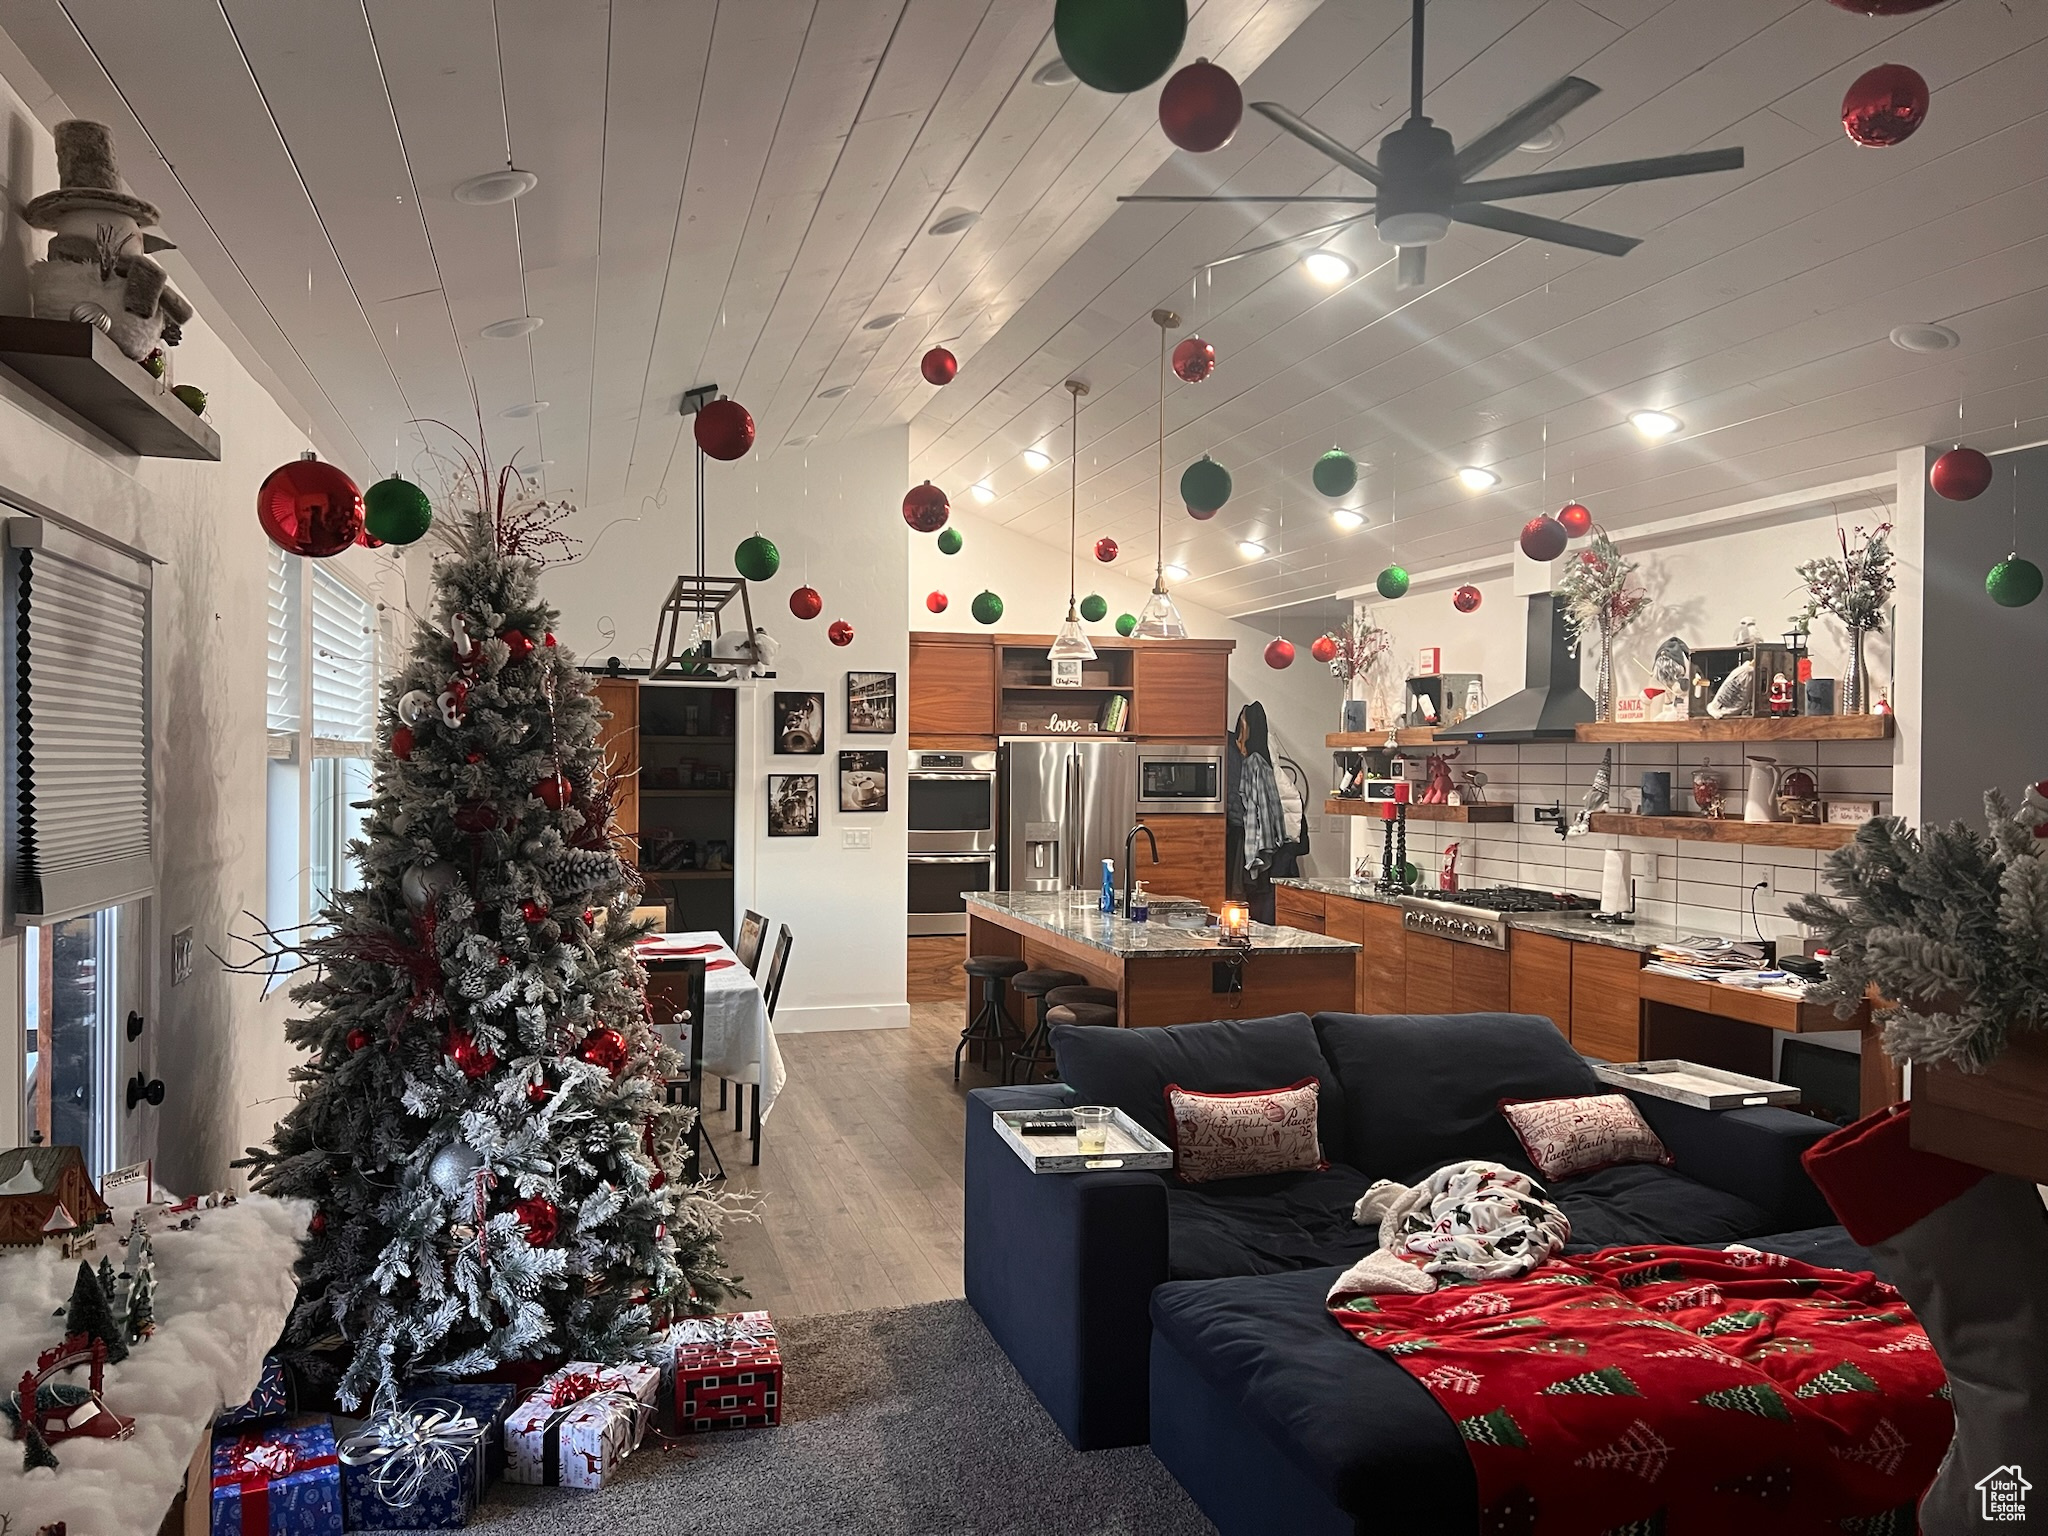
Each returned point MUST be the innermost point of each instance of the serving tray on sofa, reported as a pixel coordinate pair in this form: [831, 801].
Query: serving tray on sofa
[1687, 1082]
[1130, 1144]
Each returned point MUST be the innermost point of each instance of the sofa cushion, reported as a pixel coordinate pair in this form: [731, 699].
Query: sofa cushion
[1130, 1068]
[1420, 1091]
[1240, 1135]
[1262, 1226]
[1564, 1137]
[1645, 1203]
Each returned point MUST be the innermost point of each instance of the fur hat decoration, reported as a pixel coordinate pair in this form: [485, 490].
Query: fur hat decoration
[88, 178]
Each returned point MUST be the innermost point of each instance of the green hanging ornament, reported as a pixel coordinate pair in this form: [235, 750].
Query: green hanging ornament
[397, 511]
[1120, 45]
[1335, 473]
[987, 608]
[1094, 608]
[757, 558]
[2014, 582]
[950, 542]
[1125, 623]
[1393, 582]
[1204, 487]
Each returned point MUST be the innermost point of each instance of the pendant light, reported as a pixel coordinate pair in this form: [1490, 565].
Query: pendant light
[1161, 620]
[1071, 644]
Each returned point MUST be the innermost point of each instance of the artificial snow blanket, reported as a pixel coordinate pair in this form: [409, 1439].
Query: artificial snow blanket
[1467, 1221]
[1677, 1390]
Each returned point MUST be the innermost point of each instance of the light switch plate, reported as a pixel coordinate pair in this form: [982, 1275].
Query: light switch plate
[855, 837]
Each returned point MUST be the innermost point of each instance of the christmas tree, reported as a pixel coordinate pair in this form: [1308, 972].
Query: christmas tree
[141, 1317]
[37, 1452]
[110, 1284]
[89, 1312]
[482, 1075]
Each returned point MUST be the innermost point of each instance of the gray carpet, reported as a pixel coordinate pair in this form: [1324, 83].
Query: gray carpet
[906, 1422]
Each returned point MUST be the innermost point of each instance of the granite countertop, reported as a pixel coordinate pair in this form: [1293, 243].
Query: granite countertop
[1050, 911]
[1354, 890]
[1642, 936]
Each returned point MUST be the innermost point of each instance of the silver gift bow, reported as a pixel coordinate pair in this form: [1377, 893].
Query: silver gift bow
[407, 1445]
[719, 1332]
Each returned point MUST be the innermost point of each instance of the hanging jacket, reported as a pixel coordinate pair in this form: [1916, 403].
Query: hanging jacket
[1258, 792]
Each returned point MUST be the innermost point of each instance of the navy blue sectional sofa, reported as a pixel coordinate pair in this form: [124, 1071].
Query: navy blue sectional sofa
[1138, 1308]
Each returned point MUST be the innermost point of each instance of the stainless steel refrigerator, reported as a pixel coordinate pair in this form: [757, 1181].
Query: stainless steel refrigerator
[1066, 808]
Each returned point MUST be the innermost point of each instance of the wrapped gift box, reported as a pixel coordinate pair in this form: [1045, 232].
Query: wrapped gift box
[582, 1422]
[279, 1479]
[272, 1399]
[725, 1372]
[423, 1467]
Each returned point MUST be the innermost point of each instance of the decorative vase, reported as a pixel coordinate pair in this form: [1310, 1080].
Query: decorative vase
[1603, 680]
[1852, 693]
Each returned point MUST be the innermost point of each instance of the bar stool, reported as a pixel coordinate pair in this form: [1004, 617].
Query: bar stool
[1096, 1014]
[1036, 1051]
[989, 1025]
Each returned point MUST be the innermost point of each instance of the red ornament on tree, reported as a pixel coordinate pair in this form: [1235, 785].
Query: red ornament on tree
[936, 601]
[533, 911]
[1194, 360]
[925, 508]
[358, 1038]
[1885, 106]
[517, 643]
[604, 1047]
[402, 743]
[1280, 655]
[1575, 519]
[1323, 649]
[536, 1094]
[1961, 474]
[538, 1216]
[805, 603]
[554, 791]
[318, 1224]
[309, 508]
[475, 816]
[548, 640]
[938, 366]
[1466, 599]
[724, 429]
[1105, 550]
[470, 1058]
[1544, 538]
[841, 632]
[1200, 108]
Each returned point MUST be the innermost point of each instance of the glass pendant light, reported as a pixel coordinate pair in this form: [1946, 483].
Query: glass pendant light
[1071, 644]
[1160, 619]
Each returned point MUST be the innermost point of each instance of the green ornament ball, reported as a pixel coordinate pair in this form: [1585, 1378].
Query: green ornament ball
[1094, 608]
[2014, 582]
[1393, 582]
[1335, 474]
[397, 511]
[1204, 486]
[192, 397]
[1125, 623]
[757, 558]
[987, 608]
[1120, 45]
[950, 542]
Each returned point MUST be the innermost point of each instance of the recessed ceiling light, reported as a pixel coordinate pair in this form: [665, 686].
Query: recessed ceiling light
[800, 442]
[1174, 572]
[1251, 549]
[881, 322]
[524, 408]
[1347, 519]
[834, 392]
[1035, 460]
[983, 492]
[1544, 142]
[503, 330]
[1924, 338]
[1654, 424]
[1328, 268]
[953, 223]
[496, 186]
[1052, 72]
[1473, 478]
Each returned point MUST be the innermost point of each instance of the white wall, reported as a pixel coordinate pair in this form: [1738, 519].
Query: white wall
[834, 517]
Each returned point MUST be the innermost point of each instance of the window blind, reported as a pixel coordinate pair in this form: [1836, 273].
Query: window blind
[344, 670]
[281, 703]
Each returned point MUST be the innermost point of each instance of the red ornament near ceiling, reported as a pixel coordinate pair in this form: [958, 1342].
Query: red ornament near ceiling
[1200, 108]
[1466, 599]
[1194, 360]
[1961, 474]
[1323, 649]
[925, 508]
[309, 508]
[938, 366]
[806, 603]
[1544, 538]
[1885, 106]
[841, 632]
[1575, 519]
[1105, 549]
[935, 601]
[724, 429]
[1280, 654]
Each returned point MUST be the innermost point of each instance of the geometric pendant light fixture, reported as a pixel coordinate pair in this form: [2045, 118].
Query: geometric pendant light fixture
[1160, 619]
[1071, 644]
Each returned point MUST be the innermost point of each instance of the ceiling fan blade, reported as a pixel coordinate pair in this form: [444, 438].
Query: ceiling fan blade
[1556, 231]
[1274, 245]
[1315, 138]
[1619, 173]
[1413, 268]
[1232, 197]
[1524, 123]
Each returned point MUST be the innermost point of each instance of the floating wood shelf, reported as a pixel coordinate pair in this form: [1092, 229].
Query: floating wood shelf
[1746, 728]
[686, 874]
[1726, 829]
[1359, 741]
[1337, 805]
[79, 366]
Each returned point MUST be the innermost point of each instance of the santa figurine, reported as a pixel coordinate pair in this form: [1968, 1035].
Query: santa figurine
[1780, 695]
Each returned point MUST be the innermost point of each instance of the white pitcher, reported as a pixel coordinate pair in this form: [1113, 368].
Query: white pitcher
[1760, 800]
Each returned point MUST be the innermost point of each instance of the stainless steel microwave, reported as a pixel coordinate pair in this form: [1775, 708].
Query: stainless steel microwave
[1188, 780]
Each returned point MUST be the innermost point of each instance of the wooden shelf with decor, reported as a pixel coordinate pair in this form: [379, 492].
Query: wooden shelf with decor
[1491, 811]
[80, 367]
[967, 689]
[1373, 741]
[1743, 728]
[1725, 829]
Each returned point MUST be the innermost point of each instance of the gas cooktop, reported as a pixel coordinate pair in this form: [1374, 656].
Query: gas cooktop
[1511, 898]
[1480, 916]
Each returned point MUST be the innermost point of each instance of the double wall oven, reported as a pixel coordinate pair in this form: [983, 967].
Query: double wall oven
[953, 816]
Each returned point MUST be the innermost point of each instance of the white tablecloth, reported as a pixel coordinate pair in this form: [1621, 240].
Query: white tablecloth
[739, 1042]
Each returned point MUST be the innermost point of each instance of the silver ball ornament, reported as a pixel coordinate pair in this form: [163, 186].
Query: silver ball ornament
[416, 707]
[424, 884]
[94, 316]
[452, 1168]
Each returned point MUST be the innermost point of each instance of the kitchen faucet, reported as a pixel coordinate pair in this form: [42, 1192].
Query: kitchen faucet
[1130, 860]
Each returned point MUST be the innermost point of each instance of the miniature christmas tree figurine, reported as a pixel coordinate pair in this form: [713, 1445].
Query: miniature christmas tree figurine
[141, 1317]
[37, 1452]
[481, 1075]
[110, 1284]
[91, 1313]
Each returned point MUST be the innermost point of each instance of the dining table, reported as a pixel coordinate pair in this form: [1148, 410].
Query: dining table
[738, 1036]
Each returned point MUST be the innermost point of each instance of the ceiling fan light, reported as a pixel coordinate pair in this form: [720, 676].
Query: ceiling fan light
[1420, 227]
[1654, 425]
[1036, 459]
[1347, 519]
[1473, 478]
[1328, 268]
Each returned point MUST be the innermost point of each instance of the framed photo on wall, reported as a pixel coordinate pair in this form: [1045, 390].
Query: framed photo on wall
[799, 724]
[863, 781]
[792, 805]
[871, 703]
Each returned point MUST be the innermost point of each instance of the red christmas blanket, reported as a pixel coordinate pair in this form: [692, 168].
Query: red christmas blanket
[1667, 1391]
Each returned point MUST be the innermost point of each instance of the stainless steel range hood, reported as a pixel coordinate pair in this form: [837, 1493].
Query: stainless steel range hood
[1551, 704]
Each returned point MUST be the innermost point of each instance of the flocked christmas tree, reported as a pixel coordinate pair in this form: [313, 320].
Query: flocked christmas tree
[481, 1120]
[89, 1312]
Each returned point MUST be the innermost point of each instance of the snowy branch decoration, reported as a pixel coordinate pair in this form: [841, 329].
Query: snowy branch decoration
[1361, 649]
[1852, 586]
[1948, 922]
[1600, 592]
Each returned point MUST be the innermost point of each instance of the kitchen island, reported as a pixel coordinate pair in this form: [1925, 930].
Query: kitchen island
[1163, 974]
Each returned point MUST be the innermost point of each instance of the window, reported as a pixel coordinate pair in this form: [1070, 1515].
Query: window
[283, 717]
[80, 977]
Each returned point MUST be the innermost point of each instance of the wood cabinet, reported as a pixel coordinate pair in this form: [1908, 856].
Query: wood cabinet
[1479, 980]
[1382, 965]
[967, 689]
[618, 737]
[1430, 966]
[1190, 858]
[1540, 977]
[1182, 689]
[952, 690]
[1606, 1002]
[1294, 908]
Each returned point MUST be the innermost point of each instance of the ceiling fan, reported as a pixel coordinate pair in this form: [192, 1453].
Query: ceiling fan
[1422, 182]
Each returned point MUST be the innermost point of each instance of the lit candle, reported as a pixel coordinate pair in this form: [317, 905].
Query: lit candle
[1236, 920]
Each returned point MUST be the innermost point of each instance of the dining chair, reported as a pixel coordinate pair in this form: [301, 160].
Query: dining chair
[753, 934]
[771, 993]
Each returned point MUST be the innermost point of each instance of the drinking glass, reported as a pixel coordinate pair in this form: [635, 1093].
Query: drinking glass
[1091, 1129]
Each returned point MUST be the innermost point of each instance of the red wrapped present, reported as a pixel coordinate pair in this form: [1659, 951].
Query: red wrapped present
[726, 1372]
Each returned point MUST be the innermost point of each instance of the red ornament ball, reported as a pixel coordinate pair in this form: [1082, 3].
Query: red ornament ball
[470, 1058]
[309, 508]
[554, 791]
[368, 540]
[724, 429]
[536, 1094]
[533, 911]
[475, 816]
[318, 1224]
[935, 601]
[1885, 106]
[1323, 648]
[1575, 519]
[1544, 538]
[1961, 474]
[358, 1038]
[805, 603]
[841, 632]
[517, 643]
[1194, 360]
[925, 508]
[938, 366]
[1280, 655]
[1200, 108]
[548, 640]
[402, 743]
[1105, 550]
[604, 1047]
[1466, 599]
[538, 1215]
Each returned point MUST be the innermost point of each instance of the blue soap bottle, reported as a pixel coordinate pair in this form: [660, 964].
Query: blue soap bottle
[1109, 886]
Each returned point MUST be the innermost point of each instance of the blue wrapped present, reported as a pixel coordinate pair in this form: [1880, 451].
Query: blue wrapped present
[272, 1399]
[490, 1403]
[280, 1479]
[420, 1465]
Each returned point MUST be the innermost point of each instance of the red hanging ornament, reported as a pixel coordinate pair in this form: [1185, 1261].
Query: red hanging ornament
[841, 632]
[517, 643]
[1466, 599]
[805, 603]
[938, 366]
[1544, 538]
[470, 1058]
[1194, 360]
[548, 640]
[724, 429]
[402, 743]
[533, 911]
[657, 1178]
[1961, 474]
[1105, 550]
[1323, 649]
[309, 508]
[475, 816]
[537, 1214]
[925, 508]
[368, 540]
[1885, 106]
[1200, 108]
[318, 1224]
[935, 601]
[1280, 655]
[604, 1047]
[358, 1038]
[554, 791]
[1575, 519]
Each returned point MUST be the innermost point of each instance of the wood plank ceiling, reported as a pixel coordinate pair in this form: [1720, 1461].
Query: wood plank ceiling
[740, 190]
